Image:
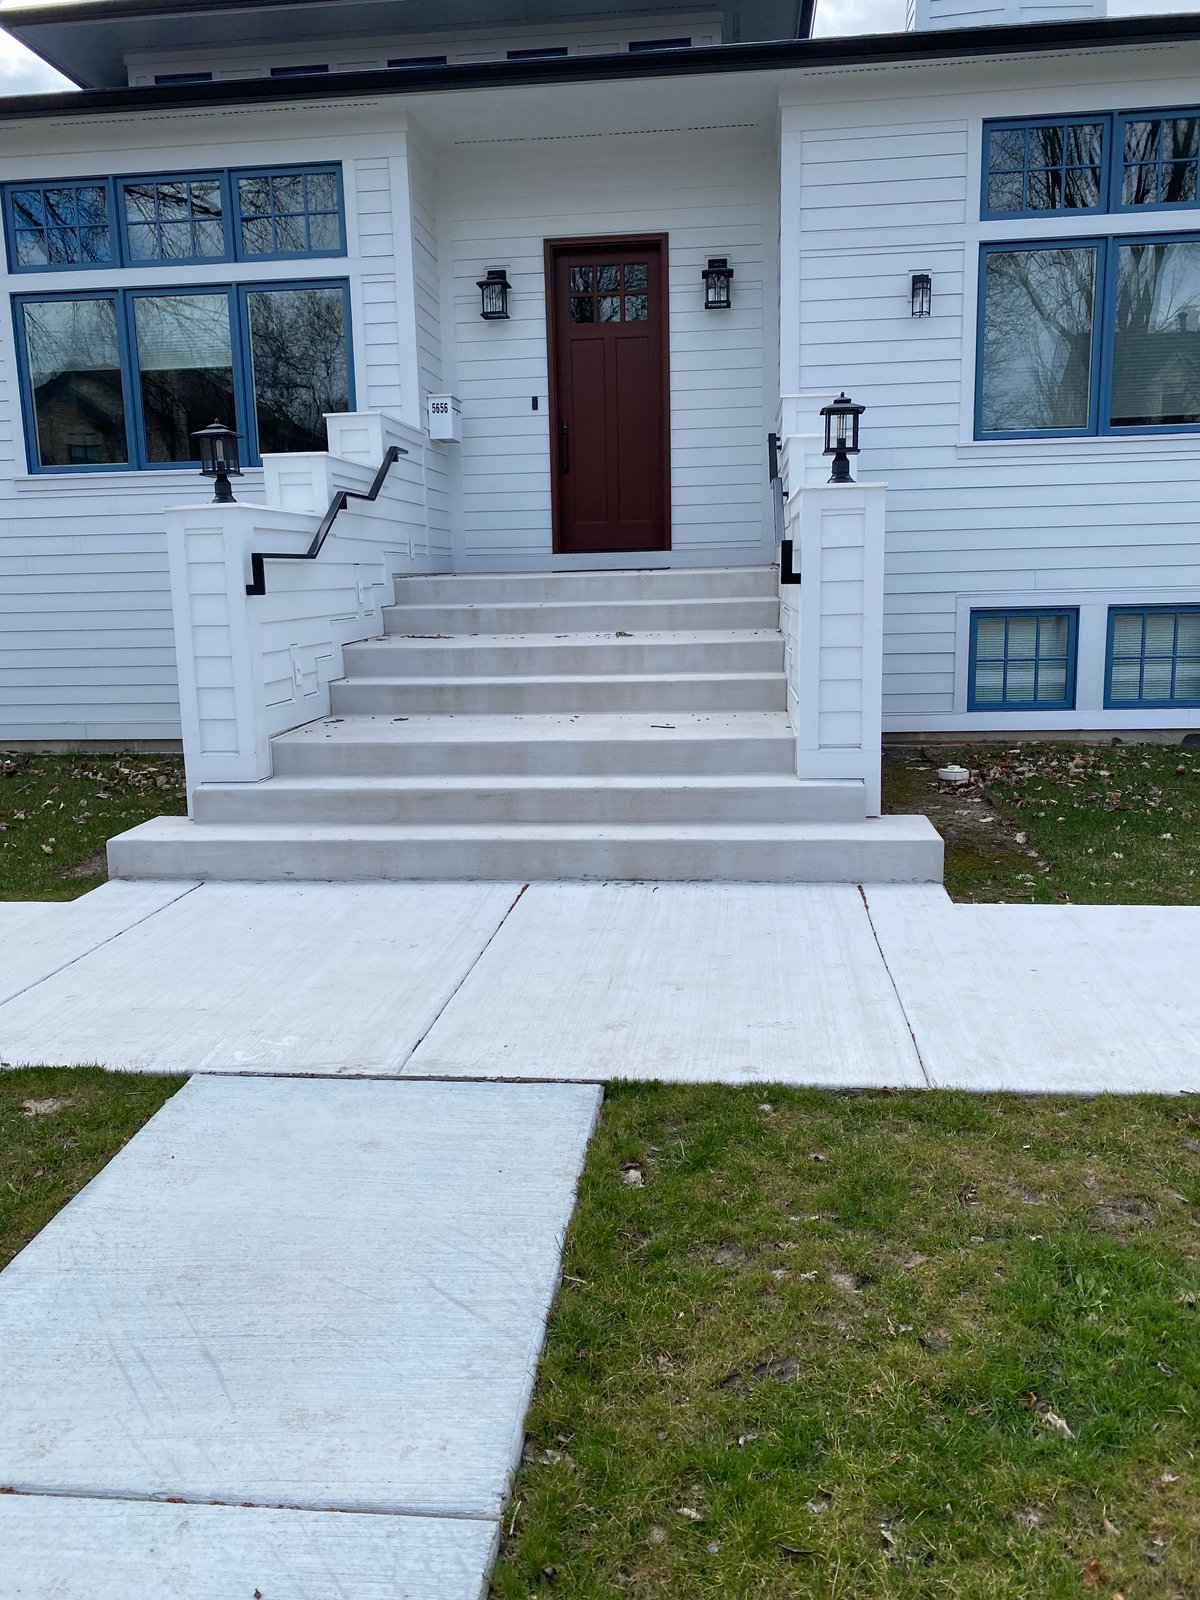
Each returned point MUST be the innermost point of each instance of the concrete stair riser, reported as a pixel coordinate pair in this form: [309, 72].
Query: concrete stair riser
[727, 583]
[605, 803]
[569, 757]
[583, 654]
[486, 697]
[580, 616]
[885, 851]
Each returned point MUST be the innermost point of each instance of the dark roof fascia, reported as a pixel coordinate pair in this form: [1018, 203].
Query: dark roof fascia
[877, 49]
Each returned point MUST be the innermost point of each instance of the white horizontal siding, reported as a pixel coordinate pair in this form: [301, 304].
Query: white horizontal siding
[893, 189]
[711, 191]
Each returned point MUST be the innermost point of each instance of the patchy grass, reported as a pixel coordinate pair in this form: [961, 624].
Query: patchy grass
[58, 1127]
[871, 1347]
[1112, 824]
[57, 813]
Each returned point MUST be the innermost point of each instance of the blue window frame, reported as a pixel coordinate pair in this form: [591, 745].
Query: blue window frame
[1023, 660]
[119, 379]
[299, 72]
[163, 79]
[59, 227]
[641, 47]
[1102, 161]
[177, 219]
[283, 213]
[1089, 337]
[1159, 160]
[1045, 164]
[418, 61]
[1153, 657]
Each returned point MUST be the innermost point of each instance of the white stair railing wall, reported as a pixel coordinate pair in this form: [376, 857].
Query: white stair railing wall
[253, 666]
[832, 620]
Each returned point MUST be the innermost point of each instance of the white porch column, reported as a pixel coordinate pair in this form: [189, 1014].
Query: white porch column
[833, 619]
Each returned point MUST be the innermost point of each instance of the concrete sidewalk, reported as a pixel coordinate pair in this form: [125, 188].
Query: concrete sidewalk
[812, 984]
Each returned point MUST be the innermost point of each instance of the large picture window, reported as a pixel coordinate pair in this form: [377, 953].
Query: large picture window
[1089, 336]
[239, 215]
[123, 379]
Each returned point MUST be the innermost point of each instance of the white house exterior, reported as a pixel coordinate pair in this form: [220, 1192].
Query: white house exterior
[1007, 166]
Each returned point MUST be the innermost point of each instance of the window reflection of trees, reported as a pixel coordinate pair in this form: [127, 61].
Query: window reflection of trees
[185, 365]
[75, 377]
[1038, 339]
[298, 353]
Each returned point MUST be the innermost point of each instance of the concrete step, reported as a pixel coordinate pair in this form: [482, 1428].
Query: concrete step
[766, 797]
[883, 850]
[688, 691]
[526, 588]
[542, 654]
[581, 616]
[602, 746]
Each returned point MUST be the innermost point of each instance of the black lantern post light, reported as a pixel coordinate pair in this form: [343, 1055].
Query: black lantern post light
[841, 436]
[718, 284]
[922, 294]
[219, 459]
[493, 291]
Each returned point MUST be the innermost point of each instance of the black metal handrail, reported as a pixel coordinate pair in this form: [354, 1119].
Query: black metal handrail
[258, 573]
[787, 572]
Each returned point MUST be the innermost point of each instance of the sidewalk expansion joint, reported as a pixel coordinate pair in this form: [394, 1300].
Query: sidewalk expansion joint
[895, 989]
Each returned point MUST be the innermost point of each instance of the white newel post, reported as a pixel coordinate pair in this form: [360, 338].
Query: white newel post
[833, 619]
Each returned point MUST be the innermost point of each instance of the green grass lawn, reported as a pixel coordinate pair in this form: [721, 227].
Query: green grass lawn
[58, 1127]
[58, 812]
[1111, 824]
[871, 1347]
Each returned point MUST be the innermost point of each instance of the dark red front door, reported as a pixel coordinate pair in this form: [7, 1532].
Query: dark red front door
[608, 409]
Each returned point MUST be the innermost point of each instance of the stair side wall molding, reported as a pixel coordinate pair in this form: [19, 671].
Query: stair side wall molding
[832, 620]
[251, 667]
[924, 14]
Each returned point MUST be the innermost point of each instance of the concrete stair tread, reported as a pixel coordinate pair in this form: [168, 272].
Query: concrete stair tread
[586, 636]
[488, 781]
[507, 680]
[472, 727]
[891, 827]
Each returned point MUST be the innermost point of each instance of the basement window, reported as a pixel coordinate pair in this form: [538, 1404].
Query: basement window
[1022, 660]
[1153, 656]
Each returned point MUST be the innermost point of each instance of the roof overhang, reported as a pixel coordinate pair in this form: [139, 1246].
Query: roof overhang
[805, 55]
[89, 41]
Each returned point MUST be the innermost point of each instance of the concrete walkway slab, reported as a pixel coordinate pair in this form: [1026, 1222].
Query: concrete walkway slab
[1056, 999]
[312, 978]
[67, 1549]
[686, 982]
[319, 1295]
[38, 938]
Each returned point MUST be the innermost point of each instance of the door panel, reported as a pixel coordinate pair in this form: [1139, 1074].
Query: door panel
[608, 360]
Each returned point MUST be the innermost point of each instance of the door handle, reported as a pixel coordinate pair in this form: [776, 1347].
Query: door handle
[564, 448]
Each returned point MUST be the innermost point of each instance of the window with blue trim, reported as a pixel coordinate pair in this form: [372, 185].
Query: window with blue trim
[290, 213]
[175, 218]
[1153, 656]
[1091, 336]
[57, 225]
[1160, 160]
[123, 378]
[1045, 165]
[1022, 660]
[418, 61]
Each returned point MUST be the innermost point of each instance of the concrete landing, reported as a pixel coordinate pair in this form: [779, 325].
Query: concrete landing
[685, 982]
[309, 1295]
[54, 1548]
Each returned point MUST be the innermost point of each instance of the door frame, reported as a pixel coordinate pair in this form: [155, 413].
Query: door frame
[604, 241]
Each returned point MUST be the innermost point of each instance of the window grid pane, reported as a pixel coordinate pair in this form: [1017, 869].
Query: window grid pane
[1045, 167]
[1161, 161]
[63, 225]
[1154, 656]
[294, 213]
[1022, 660]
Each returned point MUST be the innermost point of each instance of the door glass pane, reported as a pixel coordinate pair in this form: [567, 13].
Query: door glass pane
[1156, 356]
[298, 348]
[185, 370]
[610, 308]
[581, 280]
[610, 279]
[1037, 339]
[637, 308]
[635, 275]
[583, 308]
[75, 382]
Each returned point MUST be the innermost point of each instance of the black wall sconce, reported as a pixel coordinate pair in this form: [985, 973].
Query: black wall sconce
[493, 292]
[841, 435]
[922, 294]
[718, 284]
[219, 459]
